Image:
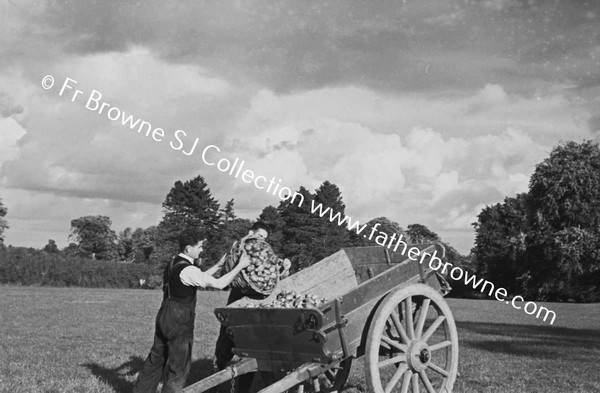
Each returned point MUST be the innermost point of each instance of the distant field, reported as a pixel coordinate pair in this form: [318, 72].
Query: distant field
[95, 340]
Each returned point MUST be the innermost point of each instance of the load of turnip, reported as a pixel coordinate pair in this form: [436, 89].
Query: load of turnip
[263, 274]
[291, 299]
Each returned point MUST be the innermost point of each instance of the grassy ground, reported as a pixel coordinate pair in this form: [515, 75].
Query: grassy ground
[93, 340]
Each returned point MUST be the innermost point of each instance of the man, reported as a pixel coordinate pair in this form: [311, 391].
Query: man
[224, 346]
[174, 329]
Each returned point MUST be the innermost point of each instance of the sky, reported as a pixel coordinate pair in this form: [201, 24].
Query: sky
[419, 111]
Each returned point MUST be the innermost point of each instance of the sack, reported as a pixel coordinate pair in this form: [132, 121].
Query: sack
[263, 275]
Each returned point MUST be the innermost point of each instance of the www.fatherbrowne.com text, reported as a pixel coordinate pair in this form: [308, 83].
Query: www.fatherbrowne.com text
[178, 141]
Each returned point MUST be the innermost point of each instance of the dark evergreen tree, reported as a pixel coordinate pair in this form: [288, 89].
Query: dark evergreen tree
[187, 205]
[331, 236]
[228, 211]
[299, 232]
[273, 219]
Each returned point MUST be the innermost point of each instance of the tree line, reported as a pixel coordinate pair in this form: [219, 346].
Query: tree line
[543, 244]
[142, 253]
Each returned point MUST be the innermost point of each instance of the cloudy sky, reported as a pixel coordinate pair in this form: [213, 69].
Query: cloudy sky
[421, 111]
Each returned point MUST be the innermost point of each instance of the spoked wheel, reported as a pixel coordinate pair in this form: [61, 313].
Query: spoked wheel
[412, 345]
[332, 380]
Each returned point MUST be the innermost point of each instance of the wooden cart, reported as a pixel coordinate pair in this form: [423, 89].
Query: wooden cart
[383, 306]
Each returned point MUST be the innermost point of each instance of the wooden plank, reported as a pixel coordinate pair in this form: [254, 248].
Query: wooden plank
[270, 316]
[244, 366]
[297, 376]
[249, 339]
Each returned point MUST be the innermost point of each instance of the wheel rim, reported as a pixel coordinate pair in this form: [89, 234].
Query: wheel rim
[412, 345]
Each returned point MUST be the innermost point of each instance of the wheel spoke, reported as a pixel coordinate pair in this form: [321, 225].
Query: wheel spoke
[330, 376]
[399, 327]
[422, 317]
[426, 382]
[441, 345]
[394, 360]
[439, 370]
[406, 382]
[394, 381]
[415, 383]
[389, 341]
[316, 385]
[433, 327]
[410, 327]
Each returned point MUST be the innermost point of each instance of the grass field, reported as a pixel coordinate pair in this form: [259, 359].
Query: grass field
[95, 340]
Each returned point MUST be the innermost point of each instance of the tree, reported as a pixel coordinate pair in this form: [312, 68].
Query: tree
[499, 252]
[71, 250]
[418, 234]
[3, 222]
[564, 221]
[273, 219]
[382, 230]
[51, 247]
[221, 239]
[125, 245]
[94, 236]
[144, 243]
[228, 213]
[187, 205]
[331, 236]
[299, 231]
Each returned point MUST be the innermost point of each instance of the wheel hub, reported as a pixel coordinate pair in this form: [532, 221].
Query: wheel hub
[418, 356]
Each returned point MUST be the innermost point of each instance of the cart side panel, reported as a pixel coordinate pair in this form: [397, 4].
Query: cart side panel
[281, 345]
[267, 333]
[331, 277]
[371, 261]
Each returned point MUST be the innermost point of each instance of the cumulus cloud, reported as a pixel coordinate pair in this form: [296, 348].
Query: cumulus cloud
[414, 174]
[414, 113]
[76, 151]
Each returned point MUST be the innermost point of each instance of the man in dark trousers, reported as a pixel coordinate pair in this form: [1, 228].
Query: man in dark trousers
[224, 346]
[171, 352]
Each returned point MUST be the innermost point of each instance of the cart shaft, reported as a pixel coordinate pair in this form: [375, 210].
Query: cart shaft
[242, 367]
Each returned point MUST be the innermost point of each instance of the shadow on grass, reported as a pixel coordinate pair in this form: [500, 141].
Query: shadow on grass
[529, 340]
[118, 379]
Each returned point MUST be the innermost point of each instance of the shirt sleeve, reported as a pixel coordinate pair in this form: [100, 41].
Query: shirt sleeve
[194, 277]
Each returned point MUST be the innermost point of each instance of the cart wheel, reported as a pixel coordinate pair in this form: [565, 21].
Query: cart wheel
[332, 380]
[412, 343]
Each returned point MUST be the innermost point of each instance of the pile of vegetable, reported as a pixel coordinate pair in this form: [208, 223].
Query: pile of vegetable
[263, 274]
[292, 299]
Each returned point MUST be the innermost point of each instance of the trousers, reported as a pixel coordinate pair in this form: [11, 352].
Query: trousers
[224, 346]
[170, 355]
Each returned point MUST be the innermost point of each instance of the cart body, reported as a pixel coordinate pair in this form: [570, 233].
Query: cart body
[354, 280]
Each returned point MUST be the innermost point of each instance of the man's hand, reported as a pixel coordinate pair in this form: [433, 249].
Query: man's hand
[286, 265]
[244, 260]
